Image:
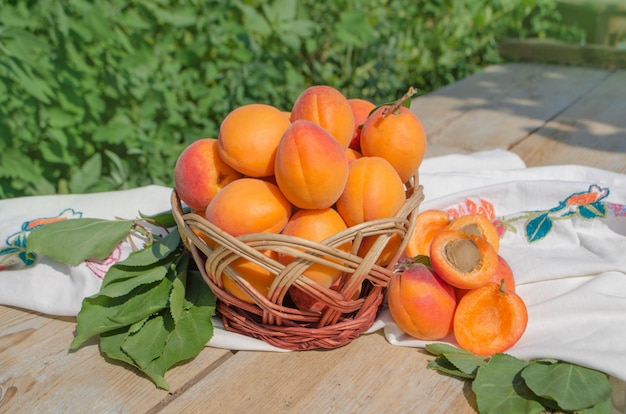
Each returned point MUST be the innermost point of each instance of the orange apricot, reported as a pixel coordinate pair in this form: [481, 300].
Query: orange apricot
[373, 191]
[388, 252]
[489, 319]
[465, 261]
[352, 155]
[249, 136]
[427, 224]
[259, 277]
[361, 109]
[327, 107]
[421, 303]
[503, 273]
[249, 205]
[398, 137]
[311, 167]
[477, 224]
[316, 225]
[200, 173]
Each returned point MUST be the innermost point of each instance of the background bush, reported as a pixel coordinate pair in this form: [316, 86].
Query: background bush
[101, 95]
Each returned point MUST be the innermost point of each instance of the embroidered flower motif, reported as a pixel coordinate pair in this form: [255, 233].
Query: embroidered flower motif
[15, 250]
[101, 267]
[586, 204]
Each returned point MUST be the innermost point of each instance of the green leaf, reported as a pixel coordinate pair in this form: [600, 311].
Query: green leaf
[499, 387]
[442, 348]
[158, 253]
[99, 313]
[126, 280]
[76, 240]
[571, 386]
[444, 366]
[145, 342]
[165, 219]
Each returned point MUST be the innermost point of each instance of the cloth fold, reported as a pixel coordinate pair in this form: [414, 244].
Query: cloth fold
[563, 232]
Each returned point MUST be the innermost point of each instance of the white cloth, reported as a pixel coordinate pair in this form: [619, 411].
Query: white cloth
[569, 262]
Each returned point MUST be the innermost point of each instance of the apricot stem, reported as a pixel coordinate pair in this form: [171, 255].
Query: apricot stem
[397, 104]
[502, 286]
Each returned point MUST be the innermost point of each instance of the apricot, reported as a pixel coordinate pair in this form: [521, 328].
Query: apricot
[427, 224]
[421, 303]
[396, 136]
[327, 107]
[249, 136]
[311, 167]
[503, 273]
[361, 109]
[479, 225]
[388, 253]
[249, 205]
[465, 261]
[489, 319]
[200, 173]
[259, 277]
[373, 191]
[316, 225]
[352, 155]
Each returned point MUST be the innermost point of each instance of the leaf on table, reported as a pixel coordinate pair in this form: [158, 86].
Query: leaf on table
[572, 387]
[177, 295]
[156, 344]
[131, 280]
[146, 342]
[111, 346]
[499, 387]
[454, 361]
[76, 240]
[99, 313]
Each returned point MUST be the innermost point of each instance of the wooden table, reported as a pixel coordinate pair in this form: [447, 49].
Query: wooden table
[546, 114]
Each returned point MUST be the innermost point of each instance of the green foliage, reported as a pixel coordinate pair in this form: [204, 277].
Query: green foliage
[99, 96]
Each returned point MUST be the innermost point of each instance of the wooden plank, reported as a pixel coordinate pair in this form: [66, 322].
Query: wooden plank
[501, 105]
[554, 51]
[37, 374]
[590, 132]
[368, 375]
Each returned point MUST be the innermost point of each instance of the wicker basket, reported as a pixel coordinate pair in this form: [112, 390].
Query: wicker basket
[350, 310]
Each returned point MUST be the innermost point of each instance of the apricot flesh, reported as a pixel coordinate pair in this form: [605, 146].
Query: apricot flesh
[421, 303]
[465, 261]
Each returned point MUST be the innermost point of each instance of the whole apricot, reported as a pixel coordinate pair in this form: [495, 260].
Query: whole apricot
[421, 303]
[327, 107]
[200, 173]
[311, 167]
[373, 191]
[259, 277]
[249, 205]
[361, 109]
[397, 136]
[503, 273]
[249, 136]
[316, 225]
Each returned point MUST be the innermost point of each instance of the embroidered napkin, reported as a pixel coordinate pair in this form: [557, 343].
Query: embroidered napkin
[563, 233]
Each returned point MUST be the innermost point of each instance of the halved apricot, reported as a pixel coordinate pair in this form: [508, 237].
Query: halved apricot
[489, 319]
[503, 272]
[465, 261]
[427, 224]
[477, 224]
